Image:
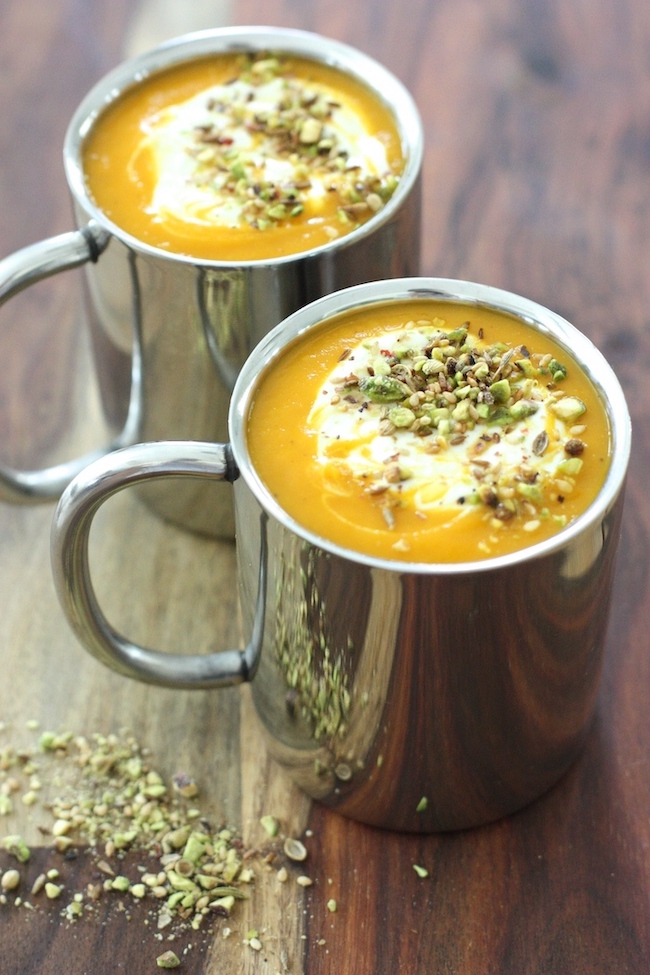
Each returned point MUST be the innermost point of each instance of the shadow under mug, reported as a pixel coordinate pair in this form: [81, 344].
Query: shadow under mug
[419, 697]
[170, 333]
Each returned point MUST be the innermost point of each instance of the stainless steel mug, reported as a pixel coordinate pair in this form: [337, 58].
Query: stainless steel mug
[170, 333]
[420, 697]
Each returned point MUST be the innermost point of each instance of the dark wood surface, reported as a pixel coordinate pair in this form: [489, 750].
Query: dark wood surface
[537, 179]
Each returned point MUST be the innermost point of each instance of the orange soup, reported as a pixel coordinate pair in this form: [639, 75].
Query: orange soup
[243, 157]
[429, 431]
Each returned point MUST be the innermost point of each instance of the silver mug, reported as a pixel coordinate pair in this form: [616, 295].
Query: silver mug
[170, 333]
[419, 697]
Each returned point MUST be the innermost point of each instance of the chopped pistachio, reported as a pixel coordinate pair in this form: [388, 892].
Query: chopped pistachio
[401, 416]
[270, 824]
[570, 466]
[501, 391]
[16, 846]
[178, 882]
[557, 370]
[194, 848]
[568, 408]
[73, 910]
[420, 871]
[523, 408]
[422, 804]
[168, 959]
[120, 883]
[230, 870]
[384, 389]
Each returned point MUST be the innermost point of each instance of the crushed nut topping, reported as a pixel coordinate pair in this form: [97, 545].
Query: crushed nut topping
[439, 417]
[259, 147]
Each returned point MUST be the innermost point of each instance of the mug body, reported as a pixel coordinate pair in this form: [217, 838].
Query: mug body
[427, 697]
[170, 333]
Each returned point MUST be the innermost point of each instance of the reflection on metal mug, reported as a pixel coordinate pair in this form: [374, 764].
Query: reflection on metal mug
[171, 332]
[418, 697]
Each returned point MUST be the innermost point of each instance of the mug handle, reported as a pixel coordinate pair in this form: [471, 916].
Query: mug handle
[28, 266]
[71, 526]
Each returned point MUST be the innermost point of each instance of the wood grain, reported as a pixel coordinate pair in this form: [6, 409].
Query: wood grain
[537, 179]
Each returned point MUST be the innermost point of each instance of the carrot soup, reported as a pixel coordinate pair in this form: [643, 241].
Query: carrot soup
[429, 431]
[243, 157]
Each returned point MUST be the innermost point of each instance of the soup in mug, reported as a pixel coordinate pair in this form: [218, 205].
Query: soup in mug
[243, 157]
[429, 431]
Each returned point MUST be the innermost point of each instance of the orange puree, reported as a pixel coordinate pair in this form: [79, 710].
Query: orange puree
[284, 214]
[529, 481]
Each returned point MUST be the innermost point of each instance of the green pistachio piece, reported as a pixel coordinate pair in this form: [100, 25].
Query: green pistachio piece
[16, 846]
[238, 170]
[270, 824]
[526, 367]
[460, 411]
[570, 466]
[178, 882]
[568, 408]
[481, 370]
[381, 367]
[523, 408]
[120, 883]
[501, 391]
[277, 212]
[532, 492]
[175, 899]
[230, 871]
[168, 959]
[401, 416]
[457, 335]
[500, 416]
[438, 414]
[122, 840]
[194, 848]
[557, 370]
[384, 389]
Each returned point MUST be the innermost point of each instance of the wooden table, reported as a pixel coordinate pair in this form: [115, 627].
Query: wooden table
[537, 179]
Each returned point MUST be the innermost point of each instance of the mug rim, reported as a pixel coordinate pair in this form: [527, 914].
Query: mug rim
[382, 83]
[577, 344]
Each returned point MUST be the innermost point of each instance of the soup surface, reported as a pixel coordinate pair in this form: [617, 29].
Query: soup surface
[243, 157]
[429, 431]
